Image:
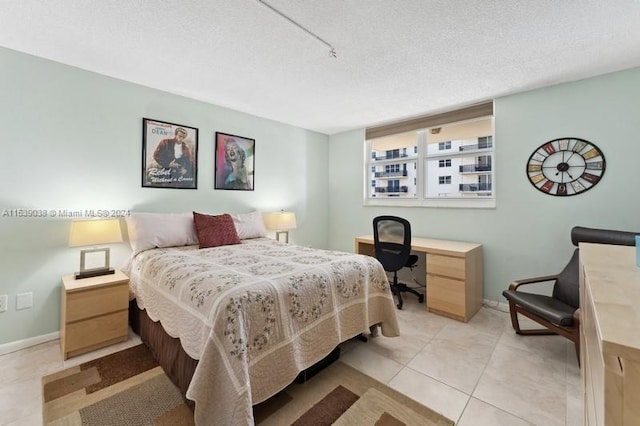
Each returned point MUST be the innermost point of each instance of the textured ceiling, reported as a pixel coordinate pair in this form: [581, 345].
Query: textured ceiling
[395, 58]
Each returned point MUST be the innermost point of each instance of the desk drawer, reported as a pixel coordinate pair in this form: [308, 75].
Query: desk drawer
[447, 266]
[99, 301]
[446, 295]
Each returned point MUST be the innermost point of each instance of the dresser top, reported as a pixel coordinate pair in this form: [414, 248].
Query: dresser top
[612, 279]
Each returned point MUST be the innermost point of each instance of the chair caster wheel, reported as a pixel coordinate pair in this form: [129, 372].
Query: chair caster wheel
[421, 298]
[399, 305]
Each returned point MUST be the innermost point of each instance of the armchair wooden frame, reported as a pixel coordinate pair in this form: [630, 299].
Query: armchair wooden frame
[572, 332]
[563, 306]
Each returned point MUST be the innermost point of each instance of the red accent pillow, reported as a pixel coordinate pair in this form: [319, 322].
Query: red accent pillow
[214, 231]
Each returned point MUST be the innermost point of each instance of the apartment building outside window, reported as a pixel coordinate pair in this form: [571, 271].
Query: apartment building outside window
[406, 167]
[393, 167]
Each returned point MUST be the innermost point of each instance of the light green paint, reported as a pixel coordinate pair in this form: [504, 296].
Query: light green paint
[528, 233]
[71, 139]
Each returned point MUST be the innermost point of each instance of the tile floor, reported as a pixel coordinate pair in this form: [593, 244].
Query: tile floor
[479, 373]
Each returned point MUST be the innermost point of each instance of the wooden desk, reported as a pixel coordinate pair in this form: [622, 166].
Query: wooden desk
[454, 274]
[609, 335]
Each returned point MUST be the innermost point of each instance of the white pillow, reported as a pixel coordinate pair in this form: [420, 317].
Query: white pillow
[249, 225]
[151, 230]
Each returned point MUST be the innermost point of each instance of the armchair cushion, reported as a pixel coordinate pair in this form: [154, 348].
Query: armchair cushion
[546, 307]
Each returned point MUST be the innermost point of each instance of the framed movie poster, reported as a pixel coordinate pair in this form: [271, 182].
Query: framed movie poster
[169, 155]
[234, 162]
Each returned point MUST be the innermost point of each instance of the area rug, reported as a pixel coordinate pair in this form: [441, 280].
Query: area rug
[129, 388]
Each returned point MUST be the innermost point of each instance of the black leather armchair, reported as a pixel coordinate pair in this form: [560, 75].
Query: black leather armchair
[560, 312]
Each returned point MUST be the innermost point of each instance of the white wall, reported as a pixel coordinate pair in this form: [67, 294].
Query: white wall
[72, 139]
[528, 233]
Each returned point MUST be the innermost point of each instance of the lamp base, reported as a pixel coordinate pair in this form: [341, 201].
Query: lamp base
[286, 236]
[94, 273]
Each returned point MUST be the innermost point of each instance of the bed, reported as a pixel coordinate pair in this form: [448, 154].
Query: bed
[251, 316]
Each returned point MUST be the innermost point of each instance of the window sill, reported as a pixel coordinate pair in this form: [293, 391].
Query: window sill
[453, 203]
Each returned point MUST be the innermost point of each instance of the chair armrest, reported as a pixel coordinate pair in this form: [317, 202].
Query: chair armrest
[517, 283]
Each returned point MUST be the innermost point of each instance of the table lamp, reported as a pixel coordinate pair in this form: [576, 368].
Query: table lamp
[91, 233]
[281, 222]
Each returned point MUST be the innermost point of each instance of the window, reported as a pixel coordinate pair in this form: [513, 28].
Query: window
[485, 142]
[393, 172]
[444, 145]
[407, 161]
[473, 149]
[392, 168]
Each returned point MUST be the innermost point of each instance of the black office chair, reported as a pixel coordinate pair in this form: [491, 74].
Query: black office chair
[392, 244]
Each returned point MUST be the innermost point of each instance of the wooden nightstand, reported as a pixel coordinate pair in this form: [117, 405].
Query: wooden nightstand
[93, 312]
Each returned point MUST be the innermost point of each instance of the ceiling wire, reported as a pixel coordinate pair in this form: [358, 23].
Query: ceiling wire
[332, 50]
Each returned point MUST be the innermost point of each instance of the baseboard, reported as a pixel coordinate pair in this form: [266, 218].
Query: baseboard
[494, 304]
[27, 343]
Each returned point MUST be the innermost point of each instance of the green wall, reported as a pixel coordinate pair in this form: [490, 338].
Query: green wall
[528, 233]
[71, 139]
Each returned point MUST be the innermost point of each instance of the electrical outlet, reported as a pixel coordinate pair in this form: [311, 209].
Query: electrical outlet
[4, 301]
[24, 300]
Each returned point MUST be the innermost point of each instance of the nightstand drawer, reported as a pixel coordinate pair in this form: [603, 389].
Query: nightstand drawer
[83, 334]
[98, 301]
[448, 266]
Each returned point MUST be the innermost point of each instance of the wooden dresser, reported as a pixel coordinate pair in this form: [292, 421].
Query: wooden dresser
[610, 334]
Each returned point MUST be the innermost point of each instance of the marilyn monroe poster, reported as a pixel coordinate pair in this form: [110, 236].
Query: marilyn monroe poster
[234, 162]
[169, 155]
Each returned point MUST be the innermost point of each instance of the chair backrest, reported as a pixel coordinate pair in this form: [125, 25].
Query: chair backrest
[580, 234]
[567, 286]
[392, 241]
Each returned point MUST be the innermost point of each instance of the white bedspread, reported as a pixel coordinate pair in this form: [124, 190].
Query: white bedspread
[257, 313]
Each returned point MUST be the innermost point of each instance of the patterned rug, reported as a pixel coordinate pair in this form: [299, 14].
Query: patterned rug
[129, 388]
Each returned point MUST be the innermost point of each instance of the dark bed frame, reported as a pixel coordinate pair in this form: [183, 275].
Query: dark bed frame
[165, 349]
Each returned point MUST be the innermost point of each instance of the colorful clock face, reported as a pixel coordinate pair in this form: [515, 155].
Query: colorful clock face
[565, 167]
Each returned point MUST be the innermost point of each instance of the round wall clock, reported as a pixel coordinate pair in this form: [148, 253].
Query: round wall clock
[566, 166]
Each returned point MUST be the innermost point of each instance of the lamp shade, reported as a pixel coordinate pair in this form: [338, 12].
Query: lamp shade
[94, 232]
[280, 221]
